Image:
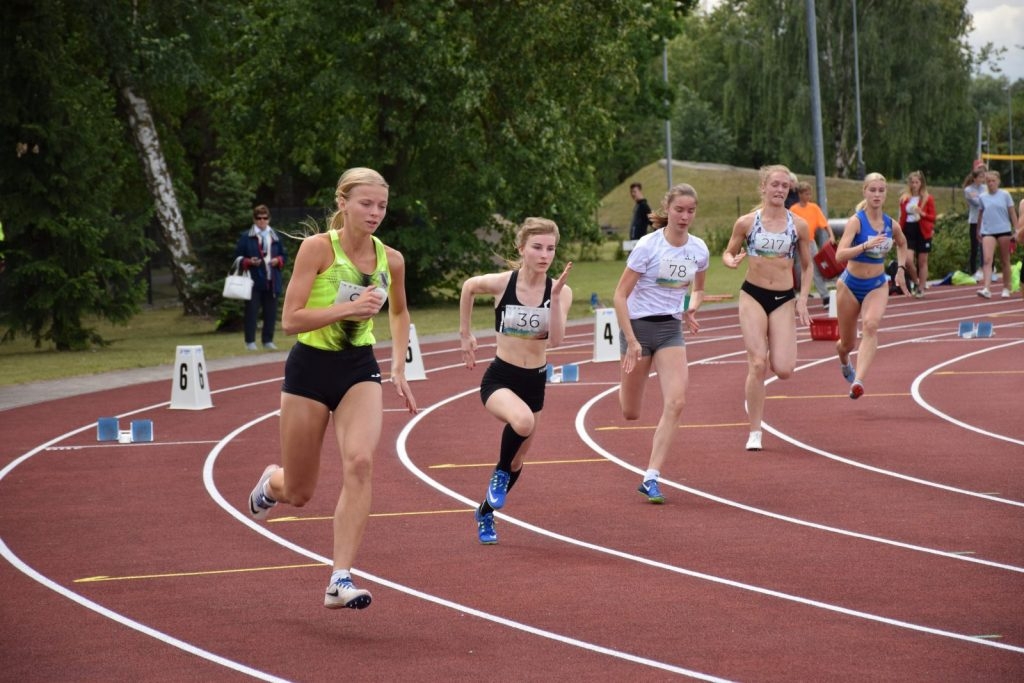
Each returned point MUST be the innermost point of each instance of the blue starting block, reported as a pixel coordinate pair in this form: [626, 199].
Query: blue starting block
[969, 329]
[107, 429]
[142, 431]
[570, 372]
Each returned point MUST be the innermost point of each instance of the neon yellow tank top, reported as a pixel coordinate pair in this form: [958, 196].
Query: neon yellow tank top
[341, 281]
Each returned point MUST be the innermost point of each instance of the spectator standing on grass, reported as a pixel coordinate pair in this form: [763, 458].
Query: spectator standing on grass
[996, 222]
[816, 224]
[974, 186]
[768, 303]
[341, 280]
[917, 221]
[530, 310]
[262, 254]
[660, 290]
[641, 222]
[863, 288]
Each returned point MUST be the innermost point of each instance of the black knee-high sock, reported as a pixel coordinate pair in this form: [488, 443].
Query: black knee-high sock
[485, 507]
[510, 444]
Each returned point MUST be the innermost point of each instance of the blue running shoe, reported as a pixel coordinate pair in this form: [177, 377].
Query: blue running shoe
[497, 489]
[341, 593]
[650, 489]
[485, 528]
[848, 372]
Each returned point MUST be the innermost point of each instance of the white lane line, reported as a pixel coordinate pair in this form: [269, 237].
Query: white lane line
[211, 487]
[165, 638]
[870, 468]
[915, 390]
[437, 486]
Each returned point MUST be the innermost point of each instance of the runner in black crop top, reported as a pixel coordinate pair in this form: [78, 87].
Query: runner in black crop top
[522, 325]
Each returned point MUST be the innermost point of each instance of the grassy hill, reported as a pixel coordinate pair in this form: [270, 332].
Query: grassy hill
[728, 192]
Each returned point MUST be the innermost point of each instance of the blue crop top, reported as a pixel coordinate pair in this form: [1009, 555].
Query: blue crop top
[877, 254]
[513, 319]
[765, 244]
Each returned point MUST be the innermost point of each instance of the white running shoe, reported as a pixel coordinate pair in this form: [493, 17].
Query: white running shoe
[259, 502]
[341, 593]
[984, 293]
[1006, 293]
[754, 441]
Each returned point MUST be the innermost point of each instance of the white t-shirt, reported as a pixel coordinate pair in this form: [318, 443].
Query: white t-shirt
[666, 273]
[995, 213]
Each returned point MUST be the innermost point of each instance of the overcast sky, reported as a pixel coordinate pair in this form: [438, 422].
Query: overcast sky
[995, 21]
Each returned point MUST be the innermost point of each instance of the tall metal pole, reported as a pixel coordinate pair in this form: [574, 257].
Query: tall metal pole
[856, 90]
[668, 119]
[819, 144]
[1009, 98]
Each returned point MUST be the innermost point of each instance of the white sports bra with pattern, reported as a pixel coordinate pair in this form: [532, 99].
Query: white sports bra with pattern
[761, 242]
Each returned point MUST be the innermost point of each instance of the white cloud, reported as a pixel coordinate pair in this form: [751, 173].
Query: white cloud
[999, 23]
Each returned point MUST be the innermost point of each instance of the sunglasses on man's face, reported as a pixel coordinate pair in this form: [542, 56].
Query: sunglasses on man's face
[262, 218]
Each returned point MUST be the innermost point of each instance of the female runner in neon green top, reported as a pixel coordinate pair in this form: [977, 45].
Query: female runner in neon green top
[340, 281]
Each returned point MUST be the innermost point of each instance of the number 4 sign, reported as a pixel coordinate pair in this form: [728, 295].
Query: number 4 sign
[606, 335]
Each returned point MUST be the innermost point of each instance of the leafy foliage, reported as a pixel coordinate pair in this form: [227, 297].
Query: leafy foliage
[73, 210]
[472, 111]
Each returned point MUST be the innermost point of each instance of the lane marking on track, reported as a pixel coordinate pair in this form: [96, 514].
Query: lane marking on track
[322, 518]
[211, 487]
[145, 444]
[490, 465]
[208, 572]
[915, 389]
[617, 428]
[404, 457]
[63, 591]
[584, 435]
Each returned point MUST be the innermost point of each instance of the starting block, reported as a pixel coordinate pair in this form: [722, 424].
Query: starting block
[969, 330]
[109, 429]
[570, 372]
[141, 431]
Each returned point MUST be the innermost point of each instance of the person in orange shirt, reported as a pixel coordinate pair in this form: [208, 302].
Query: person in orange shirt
[816, 223]
[917, 219]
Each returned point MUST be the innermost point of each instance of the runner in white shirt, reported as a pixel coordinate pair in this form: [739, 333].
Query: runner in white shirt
[661, 286]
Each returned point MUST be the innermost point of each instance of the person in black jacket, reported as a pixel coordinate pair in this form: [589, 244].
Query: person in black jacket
[641, 213]
[262, 254]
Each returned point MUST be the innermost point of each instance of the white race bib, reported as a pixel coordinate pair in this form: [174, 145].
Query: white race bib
[526, 322]
[676, 273]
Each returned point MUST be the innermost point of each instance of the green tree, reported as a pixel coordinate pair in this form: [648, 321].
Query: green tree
[472, 111]
[71, 202]
[916, 111]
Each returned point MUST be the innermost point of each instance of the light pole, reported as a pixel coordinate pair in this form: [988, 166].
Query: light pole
[1009, 99]
[812, 68]
[856, 93]
[668, 120]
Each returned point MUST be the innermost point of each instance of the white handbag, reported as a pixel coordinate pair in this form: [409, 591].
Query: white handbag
[238, 283]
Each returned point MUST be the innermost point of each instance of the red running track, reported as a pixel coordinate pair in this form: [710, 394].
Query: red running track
[871, 540]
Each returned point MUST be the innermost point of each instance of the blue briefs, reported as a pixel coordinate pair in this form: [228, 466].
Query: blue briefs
[861, 286]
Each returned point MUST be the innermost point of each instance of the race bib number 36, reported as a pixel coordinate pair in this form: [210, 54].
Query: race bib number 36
[526, 322]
